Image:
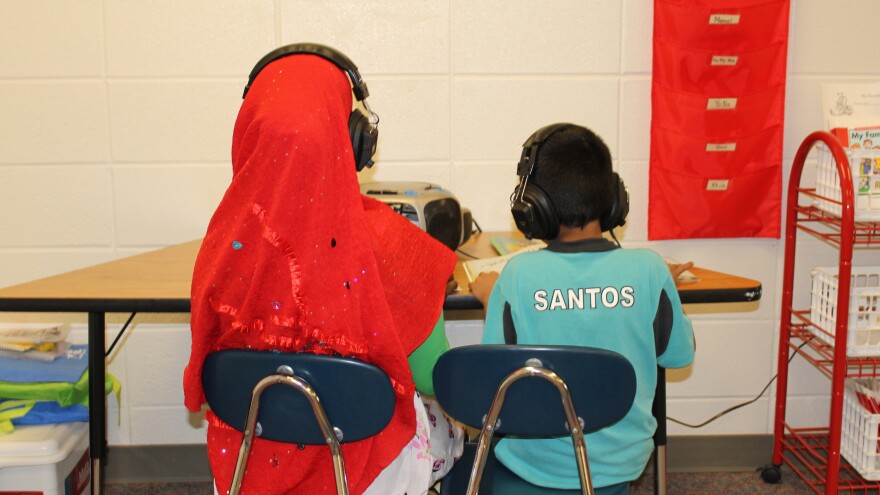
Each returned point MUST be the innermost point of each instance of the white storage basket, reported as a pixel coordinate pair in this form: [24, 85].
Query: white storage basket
[859, 432]
[865, 167]
[50, 459]
[863, 329]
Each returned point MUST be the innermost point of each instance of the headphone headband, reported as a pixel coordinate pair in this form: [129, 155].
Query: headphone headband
[359, 87]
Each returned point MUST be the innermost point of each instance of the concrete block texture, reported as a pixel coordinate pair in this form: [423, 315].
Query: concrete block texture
[116, 121]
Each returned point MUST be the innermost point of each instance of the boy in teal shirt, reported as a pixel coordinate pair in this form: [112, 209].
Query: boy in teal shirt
[582, 289]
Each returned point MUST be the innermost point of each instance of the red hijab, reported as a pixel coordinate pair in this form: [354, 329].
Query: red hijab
[295, 259]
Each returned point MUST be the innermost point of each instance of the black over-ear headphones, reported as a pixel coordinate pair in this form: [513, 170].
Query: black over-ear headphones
[363, 129]
[532, 208]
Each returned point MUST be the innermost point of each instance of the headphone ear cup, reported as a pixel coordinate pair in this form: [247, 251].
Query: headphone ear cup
[616, 216]
[534, 215]
[364, 138]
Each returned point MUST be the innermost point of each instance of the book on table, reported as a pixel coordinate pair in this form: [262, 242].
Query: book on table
[507, 245]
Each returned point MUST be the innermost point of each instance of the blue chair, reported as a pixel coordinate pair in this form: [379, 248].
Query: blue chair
[326, 400]
[511, 389]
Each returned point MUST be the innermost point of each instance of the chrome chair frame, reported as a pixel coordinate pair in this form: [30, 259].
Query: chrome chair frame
[488, 430]
[330, 435]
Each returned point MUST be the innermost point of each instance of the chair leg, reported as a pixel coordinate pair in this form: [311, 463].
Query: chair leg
[660, 470]
[658, 409]
[247, 440]
[243, 453]
[482, 454]
[580, 452]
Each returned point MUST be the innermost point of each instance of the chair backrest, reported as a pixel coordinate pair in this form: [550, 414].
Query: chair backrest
[602, 385]
[357, 396]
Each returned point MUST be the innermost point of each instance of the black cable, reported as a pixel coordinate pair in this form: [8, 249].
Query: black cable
[734, 408]
[478, 229]
[615, 238]
[119, 335]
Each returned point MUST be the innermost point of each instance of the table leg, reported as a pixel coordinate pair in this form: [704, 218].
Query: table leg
[97, 402]
[659, 411]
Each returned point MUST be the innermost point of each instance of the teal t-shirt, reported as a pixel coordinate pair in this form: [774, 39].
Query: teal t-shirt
[592, 293]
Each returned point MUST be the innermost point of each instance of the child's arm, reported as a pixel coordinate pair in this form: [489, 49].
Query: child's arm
[676, 269]
[482, 287]
[423, 359]
[493, 326]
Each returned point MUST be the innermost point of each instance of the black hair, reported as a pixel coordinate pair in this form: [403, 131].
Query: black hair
[574, 170]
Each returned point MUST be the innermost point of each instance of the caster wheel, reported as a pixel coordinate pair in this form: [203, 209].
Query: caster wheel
[771, 474]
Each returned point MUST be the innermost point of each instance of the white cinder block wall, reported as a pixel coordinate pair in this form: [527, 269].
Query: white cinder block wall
[116, 120]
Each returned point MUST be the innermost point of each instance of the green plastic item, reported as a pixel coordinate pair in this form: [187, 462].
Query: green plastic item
[65, 394]
[13, 409]
[423, 359]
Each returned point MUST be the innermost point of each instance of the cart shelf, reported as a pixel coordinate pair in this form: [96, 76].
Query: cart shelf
[821, 355]
[865, 233]
[806, 453]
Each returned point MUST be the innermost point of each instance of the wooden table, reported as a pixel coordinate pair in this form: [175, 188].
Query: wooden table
[159, 282]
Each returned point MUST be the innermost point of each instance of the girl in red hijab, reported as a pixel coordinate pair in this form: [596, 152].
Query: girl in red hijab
[295, 259]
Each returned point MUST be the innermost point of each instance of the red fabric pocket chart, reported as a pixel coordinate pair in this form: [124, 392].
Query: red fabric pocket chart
[718, 102]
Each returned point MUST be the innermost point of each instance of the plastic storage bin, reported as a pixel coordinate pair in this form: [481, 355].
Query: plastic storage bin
[863, 330]
[859, 439]
[865, 167]
[46, 459]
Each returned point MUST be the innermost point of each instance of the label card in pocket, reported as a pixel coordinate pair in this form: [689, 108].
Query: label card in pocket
[718, 60]
[721, 104]
[717, 185]
[720, 147]
[724, 19]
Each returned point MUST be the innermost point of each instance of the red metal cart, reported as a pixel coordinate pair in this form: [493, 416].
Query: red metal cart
[814, 453]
